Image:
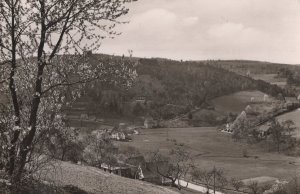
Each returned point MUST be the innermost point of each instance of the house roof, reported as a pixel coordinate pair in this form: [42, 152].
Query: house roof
[290, 99]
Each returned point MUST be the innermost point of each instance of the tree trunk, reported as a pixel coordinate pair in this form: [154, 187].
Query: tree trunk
[26, 144]
[13, 92]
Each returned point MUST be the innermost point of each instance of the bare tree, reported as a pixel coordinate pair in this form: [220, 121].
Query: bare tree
[173, 166]
[100, 151]
[214, 178]
[237, 184]
[253, 187]
[32, 33]
[203, 176]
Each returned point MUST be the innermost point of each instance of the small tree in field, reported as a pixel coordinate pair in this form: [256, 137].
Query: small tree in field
[214, 178]
[237, 184]
[37, 81]
[254, 187]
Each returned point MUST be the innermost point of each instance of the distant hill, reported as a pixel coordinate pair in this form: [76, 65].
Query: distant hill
[253, 67]
[166, 88]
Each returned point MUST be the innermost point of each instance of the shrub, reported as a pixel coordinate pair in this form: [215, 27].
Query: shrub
[70, 189]
[245, 153]
[65, 145]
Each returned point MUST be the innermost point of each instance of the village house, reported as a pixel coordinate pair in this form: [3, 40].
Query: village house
[140, 99]
[147, 169]
[119, 136]
[84, 117]
[120, 169]
[291, 101]
[150, 123]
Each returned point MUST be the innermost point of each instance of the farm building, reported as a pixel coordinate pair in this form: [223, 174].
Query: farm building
[248, 109]
[266, 98]
[119, 136]
[140, 99]
[122, 125]
[120, 169]
[291, 101]
[147, 169]
[84, 117]
[150, 123]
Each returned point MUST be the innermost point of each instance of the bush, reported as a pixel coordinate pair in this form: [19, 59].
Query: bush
[245, 153]
[190, 115]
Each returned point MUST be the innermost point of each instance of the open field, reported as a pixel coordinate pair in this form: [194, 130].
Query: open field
[295, 117]
[238, 101]
[211, 147]
[281, 82]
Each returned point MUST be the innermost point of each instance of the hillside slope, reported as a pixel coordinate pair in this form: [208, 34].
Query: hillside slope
[97, 181]
[169, 88]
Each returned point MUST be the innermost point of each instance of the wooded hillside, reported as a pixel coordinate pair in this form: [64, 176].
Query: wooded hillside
[169, 88]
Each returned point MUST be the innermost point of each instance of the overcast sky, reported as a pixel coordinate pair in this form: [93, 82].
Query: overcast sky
[267, 30]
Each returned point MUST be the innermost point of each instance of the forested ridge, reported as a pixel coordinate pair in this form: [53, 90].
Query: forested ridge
[169, 84]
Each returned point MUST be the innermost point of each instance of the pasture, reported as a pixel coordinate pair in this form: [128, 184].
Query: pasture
[237, 102]
[211, 147]
[295, 117]
[271, 78]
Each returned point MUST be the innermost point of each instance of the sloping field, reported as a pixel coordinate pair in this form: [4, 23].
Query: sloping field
[270, 78]
[295, 117]
[238, 101]
[97, 181]
[213, 148]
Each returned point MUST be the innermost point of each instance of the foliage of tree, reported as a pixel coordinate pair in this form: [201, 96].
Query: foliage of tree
[99, 151]
[188, 84]
[36, 79]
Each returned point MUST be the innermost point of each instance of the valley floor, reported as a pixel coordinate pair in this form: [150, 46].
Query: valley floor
[210, 147]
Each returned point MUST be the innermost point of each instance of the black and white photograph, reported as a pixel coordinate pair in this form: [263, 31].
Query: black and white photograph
[149, 96]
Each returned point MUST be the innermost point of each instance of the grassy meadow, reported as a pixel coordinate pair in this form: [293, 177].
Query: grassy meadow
[270, 78]
[211, 147]
[295, 117]
[237, 102]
